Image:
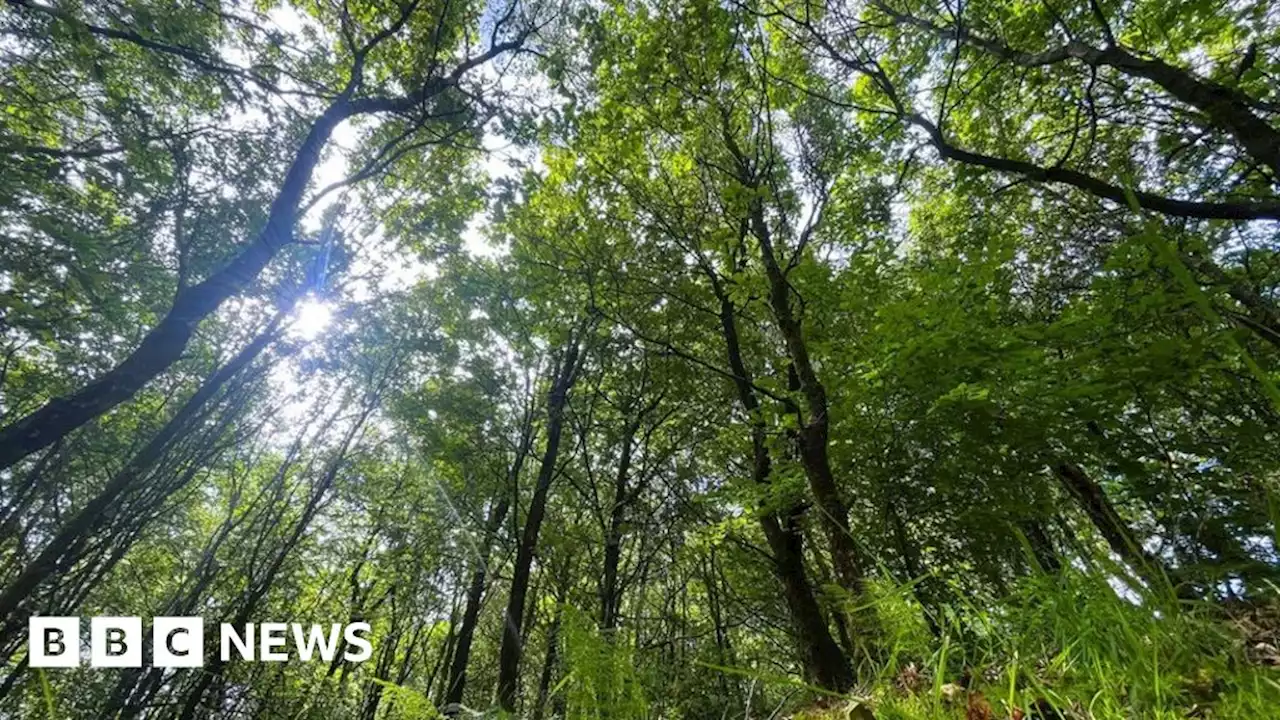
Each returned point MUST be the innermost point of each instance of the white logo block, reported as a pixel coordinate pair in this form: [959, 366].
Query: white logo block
[53, 641]
[115, 642]
[177, 641]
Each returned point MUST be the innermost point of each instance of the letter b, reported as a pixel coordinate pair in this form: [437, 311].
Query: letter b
[53, 641]
[115, 642]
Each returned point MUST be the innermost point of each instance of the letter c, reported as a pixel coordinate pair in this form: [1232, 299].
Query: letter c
[168, 642]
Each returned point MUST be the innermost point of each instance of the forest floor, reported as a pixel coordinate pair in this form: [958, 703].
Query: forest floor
[1073, 652]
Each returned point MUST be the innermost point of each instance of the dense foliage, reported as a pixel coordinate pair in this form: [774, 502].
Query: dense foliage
[648, 359]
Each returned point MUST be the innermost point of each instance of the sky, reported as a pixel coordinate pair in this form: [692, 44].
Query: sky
[313, 317]
[377, 266]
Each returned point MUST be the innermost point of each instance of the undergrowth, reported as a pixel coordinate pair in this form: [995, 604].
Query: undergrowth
[1068, 646]
[1073, 645]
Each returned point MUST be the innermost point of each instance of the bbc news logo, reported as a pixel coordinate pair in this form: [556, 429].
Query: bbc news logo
[179, 642]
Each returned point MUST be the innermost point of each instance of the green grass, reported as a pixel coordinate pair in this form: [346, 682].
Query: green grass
[1071, 641]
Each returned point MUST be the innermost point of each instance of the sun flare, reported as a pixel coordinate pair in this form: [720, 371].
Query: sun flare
[311, 319]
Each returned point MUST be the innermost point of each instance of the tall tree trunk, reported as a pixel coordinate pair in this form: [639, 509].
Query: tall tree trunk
[137, 686]
[724, 646]
[381, 671]
[815, 425]
[445, 658]
[63, 550]
[1041, 546]
[20, 495]
[548, 662]
[475, 592]
[922, 585]
[258, 588]
[610, 596]
[165, 343]
[457, 682]
[512, 639]
[821, 657]
[1113, 528]
[823, 660]
[823, 577]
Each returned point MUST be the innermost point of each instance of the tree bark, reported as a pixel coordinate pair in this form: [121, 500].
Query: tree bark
[1041, 546]
[1113, 528]
[259, 587]
[820, 656]
[457, 678]
[814, 429]
[512, 639]
[165, 343]
[457, 682]
[548, 663]
[64, 548]
[610, 597]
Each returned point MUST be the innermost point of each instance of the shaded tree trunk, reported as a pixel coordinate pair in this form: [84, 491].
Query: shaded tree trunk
[65, 548]
[1110, 525]
[382, 671]
[446, 656]
[457, 678]
[457, 682]
[1041, 546]
[164, 344]
[623, 495]
[821, 657]
[715, 604]
[548, 662]
[260, 586]
[512, 639]
[824, 578]
[815, 422]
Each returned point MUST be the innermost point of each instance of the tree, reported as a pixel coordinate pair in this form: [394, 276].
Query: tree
[659, 359]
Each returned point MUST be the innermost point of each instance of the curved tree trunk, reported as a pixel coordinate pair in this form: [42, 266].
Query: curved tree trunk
[165, 343]
[823, 661]
[815, 425]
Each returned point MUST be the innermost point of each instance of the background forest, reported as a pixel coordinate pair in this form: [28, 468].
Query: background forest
[647, 359]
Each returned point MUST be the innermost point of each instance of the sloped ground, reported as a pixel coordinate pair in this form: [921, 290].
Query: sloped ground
[1068, 649]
